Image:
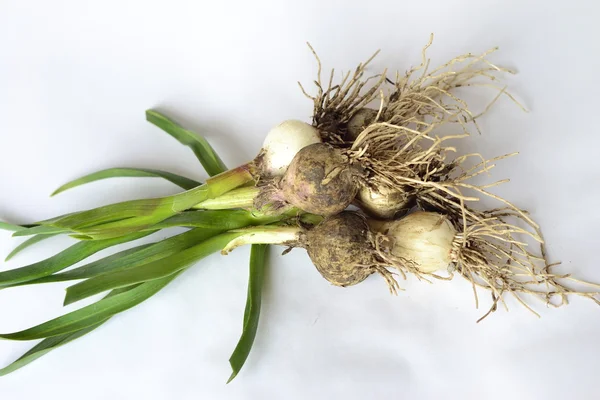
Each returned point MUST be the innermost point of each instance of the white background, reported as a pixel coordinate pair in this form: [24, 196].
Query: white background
[75, 79]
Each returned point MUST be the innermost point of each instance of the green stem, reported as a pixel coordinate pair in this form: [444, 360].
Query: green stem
[238, 198]
[264, 235]
[223, 219]
[214, 187]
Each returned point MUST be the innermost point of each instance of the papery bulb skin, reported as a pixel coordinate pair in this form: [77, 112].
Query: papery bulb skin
[283, 142]
[384, 203]
[423, 238]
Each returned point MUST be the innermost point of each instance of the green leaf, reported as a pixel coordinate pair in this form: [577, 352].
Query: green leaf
[29, 242]
[181, 181]
[205, 222]
[40, 230]
[252, 312]
[5, 226]
[62, 260]
[126, 258]
[93, 314]
[134, 257]
[51, 343]
[200, 146]
[227, 219]
[98, 267]
[118, 228]
[46, 346]
[131, 216]
[148, 272]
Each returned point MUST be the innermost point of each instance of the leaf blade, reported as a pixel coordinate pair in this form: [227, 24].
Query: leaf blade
[252, 311]
[124, 172]
[62, 260]
[201, 222]
[39, 230]
[53, 342]
[207, 156]
[46, 346]
[5, 226]
[148, 272]
[229, 219]
[92, 314]
[132, 216]
[28, 243]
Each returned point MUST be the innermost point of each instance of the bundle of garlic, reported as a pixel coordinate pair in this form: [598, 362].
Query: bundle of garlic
[375, 144]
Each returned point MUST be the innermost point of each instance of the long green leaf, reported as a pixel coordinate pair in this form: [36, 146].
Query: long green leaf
[204, 222]
[46, 346]
[228, 219]
[93, 314]
[5, 226]
[148, 272]
[202, 149]
[29, 242]
[40, 230]
[131, 216]
[252, 311]
[62, 260]
[51, 343]
[114, 262]
[137, 256]
[181, 181]
[98, 267]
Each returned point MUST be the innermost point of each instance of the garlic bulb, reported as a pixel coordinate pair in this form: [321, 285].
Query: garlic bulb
[383, 202]
[359, 121]
[283, 142]
[424, 238]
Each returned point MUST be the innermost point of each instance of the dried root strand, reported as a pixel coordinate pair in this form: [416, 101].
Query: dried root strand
[400, 150]
[491, 252]
[423, 96]
[417, 100]
[422, 101]
[417, 162]
[490, 257]
[335, 105]
[398, 157]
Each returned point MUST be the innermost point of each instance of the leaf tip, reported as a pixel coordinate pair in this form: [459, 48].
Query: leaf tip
[150, 113]
[81, 237]
[59, 190]
[232, 377]
[68, 299]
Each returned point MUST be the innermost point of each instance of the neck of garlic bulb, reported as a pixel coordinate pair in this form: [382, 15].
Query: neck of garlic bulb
[280, 146]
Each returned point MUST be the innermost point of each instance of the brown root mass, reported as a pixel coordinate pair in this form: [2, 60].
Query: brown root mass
[396, 140]
[492, 254]
[335, 104]
[399, 149]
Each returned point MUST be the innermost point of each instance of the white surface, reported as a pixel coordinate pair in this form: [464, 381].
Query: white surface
[75, 79]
